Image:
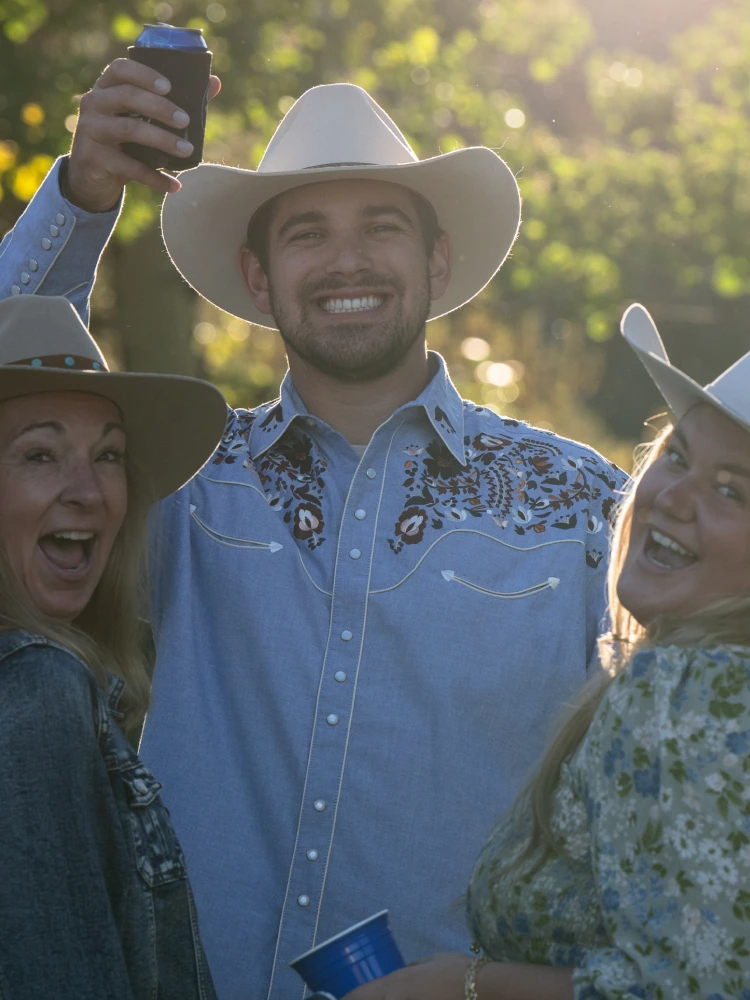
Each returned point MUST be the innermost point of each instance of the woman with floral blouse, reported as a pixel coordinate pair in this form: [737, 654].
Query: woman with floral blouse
[623, 871]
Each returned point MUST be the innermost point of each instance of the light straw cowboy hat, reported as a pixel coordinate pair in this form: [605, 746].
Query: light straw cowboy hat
[333, 132]
[172, 423]
[729, 393]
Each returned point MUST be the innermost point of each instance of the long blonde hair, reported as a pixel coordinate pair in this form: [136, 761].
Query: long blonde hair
[106, 634]
[724, 621]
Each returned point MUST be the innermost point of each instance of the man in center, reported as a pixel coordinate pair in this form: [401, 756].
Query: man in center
[373, 600]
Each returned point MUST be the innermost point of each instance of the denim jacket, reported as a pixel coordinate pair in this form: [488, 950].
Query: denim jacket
[94, 897]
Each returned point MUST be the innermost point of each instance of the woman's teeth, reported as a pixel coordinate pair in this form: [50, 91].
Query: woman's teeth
[351, 305]
[75, 536]
[669, 543]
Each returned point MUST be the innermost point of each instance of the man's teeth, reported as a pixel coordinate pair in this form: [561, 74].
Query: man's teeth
[669, 543]
[74, 536]
[351, 305]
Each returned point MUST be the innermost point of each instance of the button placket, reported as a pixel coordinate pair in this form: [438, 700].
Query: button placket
[329, 743]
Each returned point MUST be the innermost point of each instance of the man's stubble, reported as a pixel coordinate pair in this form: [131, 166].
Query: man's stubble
[353, 352]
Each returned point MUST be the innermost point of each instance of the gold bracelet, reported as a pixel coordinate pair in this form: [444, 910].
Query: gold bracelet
[470, 983]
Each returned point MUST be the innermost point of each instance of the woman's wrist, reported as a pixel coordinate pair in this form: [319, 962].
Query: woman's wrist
[472, 974]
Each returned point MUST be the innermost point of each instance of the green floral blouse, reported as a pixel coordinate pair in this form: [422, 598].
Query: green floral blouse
[651, 897]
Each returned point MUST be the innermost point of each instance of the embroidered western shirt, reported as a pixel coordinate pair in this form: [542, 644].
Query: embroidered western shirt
[358, 657]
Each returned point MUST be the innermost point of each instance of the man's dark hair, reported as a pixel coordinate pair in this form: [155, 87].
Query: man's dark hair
[259, 226]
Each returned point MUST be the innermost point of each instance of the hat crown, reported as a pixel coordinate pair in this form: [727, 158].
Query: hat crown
[730, 392]
[35, 327]
[335, 123]
[732, 388]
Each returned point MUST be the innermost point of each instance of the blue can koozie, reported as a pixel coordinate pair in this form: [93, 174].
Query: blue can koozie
[357, 955]
[182, 56]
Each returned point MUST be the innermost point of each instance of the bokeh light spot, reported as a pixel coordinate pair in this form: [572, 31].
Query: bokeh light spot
[475, 348]
[515, 118]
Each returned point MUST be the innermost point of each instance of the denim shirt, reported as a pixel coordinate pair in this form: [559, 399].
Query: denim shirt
[358, 658]
[94, 898]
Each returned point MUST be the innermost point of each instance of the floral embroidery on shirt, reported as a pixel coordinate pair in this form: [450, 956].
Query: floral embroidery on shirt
[273, 418]
[234, 441]
[291, 473]
[527, 482]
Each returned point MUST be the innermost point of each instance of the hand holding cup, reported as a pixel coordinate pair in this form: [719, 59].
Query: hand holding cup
[98, 168]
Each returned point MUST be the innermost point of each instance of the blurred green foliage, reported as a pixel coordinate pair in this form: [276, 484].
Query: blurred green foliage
[632, 151]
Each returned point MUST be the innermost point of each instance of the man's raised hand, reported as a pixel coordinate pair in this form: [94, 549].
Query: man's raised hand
[98, 168]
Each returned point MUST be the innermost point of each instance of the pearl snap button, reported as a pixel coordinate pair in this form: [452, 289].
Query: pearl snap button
[46, 243]
[33, 265]
[339, 676]
[332, 719]
[360, 514]
[60, 219]
[354, 553]
[15, 289]
[319, 805]
[371, 473]
[25, 277]
[346, 635]
[54, 231]
[303, 900]
[312, 855]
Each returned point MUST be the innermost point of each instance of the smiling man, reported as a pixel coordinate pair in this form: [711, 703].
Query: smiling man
[371, 603]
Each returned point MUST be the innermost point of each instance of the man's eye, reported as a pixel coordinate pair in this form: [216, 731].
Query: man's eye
[385, 227]
[111, 455]
[310, 234]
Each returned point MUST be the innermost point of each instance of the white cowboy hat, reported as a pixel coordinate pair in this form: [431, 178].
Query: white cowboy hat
[172, 423]
[729, 393]
[337, 131]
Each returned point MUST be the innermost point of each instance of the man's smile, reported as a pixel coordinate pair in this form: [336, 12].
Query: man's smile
[351, 305]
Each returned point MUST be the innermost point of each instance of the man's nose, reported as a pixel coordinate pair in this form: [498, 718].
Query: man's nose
[348, 256]
[81, 487]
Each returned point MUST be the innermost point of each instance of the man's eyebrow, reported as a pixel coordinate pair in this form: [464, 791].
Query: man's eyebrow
[373, 211]
[302, 218]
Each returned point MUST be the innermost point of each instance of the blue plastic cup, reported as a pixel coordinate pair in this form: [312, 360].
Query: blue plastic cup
[357, 955]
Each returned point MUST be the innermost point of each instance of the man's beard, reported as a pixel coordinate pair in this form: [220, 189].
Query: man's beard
[354, 351]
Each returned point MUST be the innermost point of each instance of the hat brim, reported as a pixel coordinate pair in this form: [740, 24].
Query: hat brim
[173, 423]
[473, 192]
[680, 392]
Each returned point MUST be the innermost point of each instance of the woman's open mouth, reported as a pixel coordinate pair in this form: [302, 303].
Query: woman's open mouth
[666, 553]
[69, 552]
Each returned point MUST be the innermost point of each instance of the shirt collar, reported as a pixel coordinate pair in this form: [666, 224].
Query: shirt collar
[439, 400]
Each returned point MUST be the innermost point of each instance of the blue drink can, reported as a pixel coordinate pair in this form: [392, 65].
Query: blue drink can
[182, 56]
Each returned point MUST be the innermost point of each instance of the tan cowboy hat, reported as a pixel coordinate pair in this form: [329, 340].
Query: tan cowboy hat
[173, 423]
[729, 393]
[337, 131]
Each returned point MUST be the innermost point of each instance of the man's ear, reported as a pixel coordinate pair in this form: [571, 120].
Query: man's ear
[441, 261]
[256, 279]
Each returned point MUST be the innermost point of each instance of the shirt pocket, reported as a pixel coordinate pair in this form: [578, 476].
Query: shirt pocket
[158, 854]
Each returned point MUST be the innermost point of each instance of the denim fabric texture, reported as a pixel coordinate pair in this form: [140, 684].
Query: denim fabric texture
[359, 657]
[94, 897]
